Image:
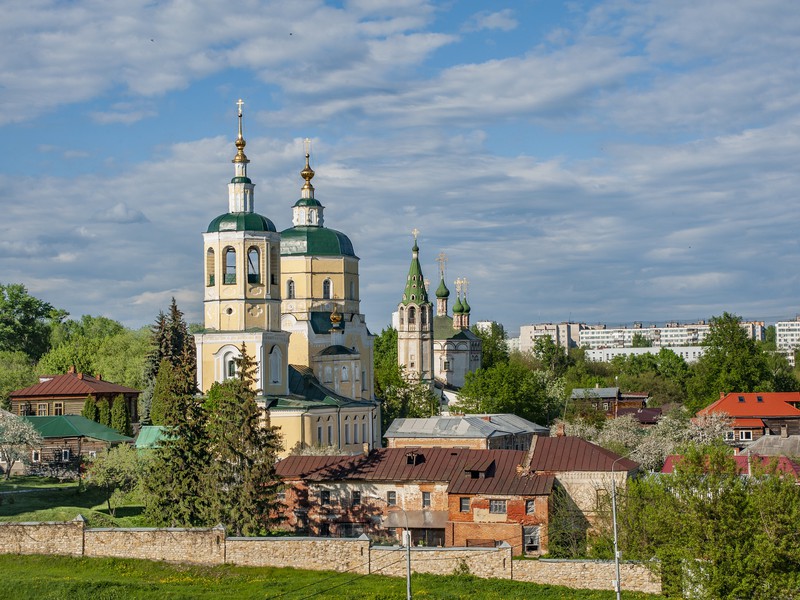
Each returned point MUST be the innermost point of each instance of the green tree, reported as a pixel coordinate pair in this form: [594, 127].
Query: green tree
[549, 356]
[732, 362]
[103, 412]
[494, 345]
[119, 472]
[16, 372]
[508, 387]
[25, 321]
[639, 340]
[90, 409]
[121, 358]
[78, 351]
[244, 448]
[167, 394]
[120, 419]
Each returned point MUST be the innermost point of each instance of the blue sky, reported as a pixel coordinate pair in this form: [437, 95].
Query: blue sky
[595, 161]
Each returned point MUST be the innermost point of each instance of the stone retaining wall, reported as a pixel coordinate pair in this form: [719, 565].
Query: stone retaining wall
[587, 574]
[210, 546]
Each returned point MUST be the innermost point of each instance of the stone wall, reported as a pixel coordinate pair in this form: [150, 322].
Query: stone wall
[587, 574]
[323, 554]
[210, 546]
[197, 545]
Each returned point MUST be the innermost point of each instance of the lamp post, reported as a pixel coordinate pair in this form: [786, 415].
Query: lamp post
[617, 586]
[407, 541]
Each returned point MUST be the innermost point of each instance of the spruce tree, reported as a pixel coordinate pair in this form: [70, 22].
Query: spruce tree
[166, 394]
[120, 419]
[103, 412]
[244, 449]
[90, 408]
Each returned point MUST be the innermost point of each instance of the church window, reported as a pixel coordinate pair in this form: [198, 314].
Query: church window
[319, 435]
[328, 375]
[274, 266]
[327, 289]
[412, 316]
[345, 377]
[230, 265]
[355, 433]
[290, 289]
[231, 368]
[210, 266]
[353, 290]
[275, 365]
[423, 317]
[253, 266]
[402, 316]
[364, 432]
[330, 435]
[347, 433]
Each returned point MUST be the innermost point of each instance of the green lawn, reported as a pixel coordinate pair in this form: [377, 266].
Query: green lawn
[44, 499]
[55, 578]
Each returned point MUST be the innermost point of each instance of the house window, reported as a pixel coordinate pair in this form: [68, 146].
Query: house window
[356, 498]
[230, 265]
[290, 289]
[36, 456]
[530, 507]
[58, 408]
[463, 504]
[41, 410]
[426, 499]
[497, 507]
[730, 436]
[326, 289]
[745, 435]
[530, 537]
[253, 266]
[92, 453]
[65, 454]
[325, 498]
[391, 498]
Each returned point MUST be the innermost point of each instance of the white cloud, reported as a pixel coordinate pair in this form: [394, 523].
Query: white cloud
[502, 20]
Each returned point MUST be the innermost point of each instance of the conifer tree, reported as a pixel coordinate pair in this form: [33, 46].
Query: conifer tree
[120, 419]
[90, 408]
[103, 412]
[244, 450]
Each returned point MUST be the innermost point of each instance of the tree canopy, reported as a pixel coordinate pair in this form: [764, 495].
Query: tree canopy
[25, 321]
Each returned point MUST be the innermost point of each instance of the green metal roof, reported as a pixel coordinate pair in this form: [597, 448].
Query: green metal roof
[321, 322]
[75, 426]
[458, 308]
[309, 392]
[243, 221]
[442, 291]
[309, 240]
[150, 436]
[415, 292]
[308, 202]
[443, 330]
[241, 180]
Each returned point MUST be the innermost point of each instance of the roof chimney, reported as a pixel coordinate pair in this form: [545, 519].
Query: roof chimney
[721, 395]
[98, 376]
[80, 375]
[71, 369]
[560, 430]
[526, 466]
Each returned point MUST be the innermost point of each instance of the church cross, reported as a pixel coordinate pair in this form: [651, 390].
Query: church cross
[239, 104]
[442, 260]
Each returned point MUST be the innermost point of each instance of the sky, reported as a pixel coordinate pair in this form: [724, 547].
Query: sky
[600, 162]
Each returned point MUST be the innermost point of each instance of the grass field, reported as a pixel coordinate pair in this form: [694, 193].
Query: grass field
[57, 578]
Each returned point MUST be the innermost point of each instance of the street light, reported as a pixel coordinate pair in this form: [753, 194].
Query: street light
[617, 586]
[407, 540]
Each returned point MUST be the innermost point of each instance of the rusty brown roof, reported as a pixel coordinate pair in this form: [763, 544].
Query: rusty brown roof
[71, 384]
[467, 471]
[569, 453]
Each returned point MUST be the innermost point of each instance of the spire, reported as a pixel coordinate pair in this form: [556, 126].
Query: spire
[307, 173]
[415, 292]
[240, 189]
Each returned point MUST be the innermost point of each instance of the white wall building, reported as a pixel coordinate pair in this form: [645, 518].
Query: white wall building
[670, 335]
[689, 353]
[787, 337]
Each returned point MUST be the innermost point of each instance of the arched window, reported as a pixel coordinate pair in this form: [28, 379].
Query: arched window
[402, 317]
[327, 289]
[230, 265]
[290, 289]
[423, 317]
[275, 365]
[412, 315]
[210, 267]
[352, 290]
[253, 265]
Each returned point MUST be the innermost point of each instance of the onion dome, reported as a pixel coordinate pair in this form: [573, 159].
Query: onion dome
[458, 308]
[442, 291]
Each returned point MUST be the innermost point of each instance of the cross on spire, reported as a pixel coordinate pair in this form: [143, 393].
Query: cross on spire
[442, 260]
[415, 233]
[240, 103]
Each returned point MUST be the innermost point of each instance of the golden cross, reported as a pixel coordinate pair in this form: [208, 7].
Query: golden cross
[239, 104]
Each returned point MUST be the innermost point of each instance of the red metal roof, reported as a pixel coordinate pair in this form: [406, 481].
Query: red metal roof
[468, 471]
[747, 404]
[743, 463]
[72, 384]
[748, 423]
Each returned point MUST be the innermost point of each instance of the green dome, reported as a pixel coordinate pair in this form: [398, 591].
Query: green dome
[465, 307]
[458, 308]
[307, 202]
[315, 241]
[243, 221]
[442, 291]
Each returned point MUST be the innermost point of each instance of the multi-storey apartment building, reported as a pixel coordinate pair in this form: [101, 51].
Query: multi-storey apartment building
[565, 335]
[670, 335]
[787, 337]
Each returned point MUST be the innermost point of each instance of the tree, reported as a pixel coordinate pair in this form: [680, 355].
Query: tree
[549, 356]
[25, 321]
[639, 340]
[119, 472]
[104, 412]
[120, 418]
[167, 394]
[17, 438]
[732, 362]
[244, 449]
[494, 346]
[505, 388]
[16, 372]
[90, 408]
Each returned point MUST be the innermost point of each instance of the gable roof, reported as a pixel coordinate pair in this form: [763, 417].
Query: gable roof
[71, 384]
[743, 463]
[775, 445]
[150, 436]
[756, 404]
[496, 470]
[65, 426]
[570, 453]
[482, 426]
[592, 393]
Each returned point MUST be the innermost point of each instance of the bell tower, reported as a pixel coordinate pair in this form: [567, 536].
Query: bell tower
[415, 323]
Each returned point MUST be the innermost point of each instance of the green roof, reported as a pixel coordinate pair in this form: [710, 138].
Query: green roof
[242, 221]
[75, 426]
[308, 202]
[458, 308]
[150, 436]
[415, 292]
[442, 291]
[309, 392]
[309, 240]
[443, 330]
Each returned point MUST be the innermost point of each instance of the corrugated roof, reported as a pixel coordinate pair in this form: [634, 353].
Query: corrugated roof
[150, 436]
[75, 426]
[580, 393]
[480, 426]
[748, 423]
[743, 463]
[568, 453]
[72, 384]
[756, 404]
[775, 445]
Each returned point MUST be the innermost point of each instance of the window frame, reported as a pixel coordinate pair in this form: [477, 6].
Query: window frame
[426, 499]
[498, 506]
[464, 504]
[391, 498]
